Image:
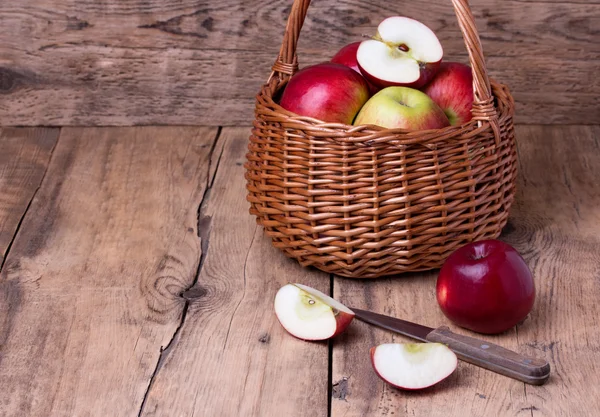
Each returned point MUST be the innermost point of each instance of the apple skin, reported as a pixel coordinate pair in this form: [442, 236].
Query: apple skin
[402, 107]
[347, 56]
[452, 90]
[428, 72]
[486, 287]
[329, 92]
[343, 320]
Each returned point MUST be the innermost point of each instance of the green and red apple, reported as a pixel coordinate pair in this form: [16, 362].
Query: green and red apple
[402, 107]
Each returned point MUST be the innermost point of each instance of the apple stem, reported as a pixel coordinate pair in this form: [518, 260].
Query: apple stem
[479, 253]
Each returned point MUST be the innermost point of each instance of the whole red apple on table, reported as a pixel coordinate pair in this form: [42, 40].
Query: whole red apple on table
[402, 107]
[404, 52]
[486, 287]
[347, 56]
[452, 90]
[328, 92]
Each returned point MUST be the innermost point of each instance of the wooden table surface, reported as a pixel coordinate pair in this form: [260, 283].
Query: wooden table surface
[135, 283]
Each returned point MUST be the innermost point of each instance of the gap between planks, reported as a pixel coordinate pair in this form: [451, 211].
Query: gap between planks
[204, 236]
[4, 256]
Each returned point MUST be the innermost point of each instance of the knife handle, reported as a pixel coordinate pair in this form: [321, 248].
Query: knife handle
[493, 357]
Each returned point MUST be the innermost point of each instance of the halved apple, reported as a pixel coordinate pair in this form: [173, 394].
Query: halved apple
[413, 366]
[308, 314]
[404, 52]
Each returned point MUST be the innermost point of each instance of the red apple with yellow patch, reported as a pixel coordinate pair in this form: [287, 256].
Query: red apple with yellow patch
[452, 90]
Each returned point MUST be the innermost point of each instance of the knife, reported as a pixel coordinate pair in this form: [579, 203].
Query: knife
[478, 352]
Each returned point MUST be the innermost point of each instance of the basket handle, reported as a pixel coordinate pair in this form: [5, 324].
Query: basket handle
[483, 104]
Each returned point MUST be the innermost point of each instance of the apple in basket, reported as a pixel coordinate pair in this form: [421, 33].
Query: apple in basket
[404, 52]
[402, 107]
[347, 56]
[452, 90]
[308, 314]
[486, 287]
[329, 92]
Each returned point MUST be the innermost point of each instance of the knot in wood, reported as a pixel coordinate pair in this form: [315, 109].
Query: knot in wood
[194, 293]
[8, 80]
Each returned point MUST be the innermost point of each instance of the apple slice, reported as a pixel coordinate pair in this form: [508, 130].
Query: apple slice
[404, 52]
[308, 314]
[413, 366]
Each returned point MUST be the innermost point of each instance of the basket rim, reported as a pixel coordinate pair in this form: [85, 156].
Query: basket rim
[373, 136]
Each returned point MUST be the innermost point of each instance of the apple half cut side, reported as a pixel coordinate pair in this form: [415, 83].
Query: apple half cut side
[413, 366]
[404, 52]
[309, 314]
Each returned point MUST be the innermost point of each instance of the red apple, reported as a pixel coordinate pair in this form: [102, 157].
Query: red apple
[309, 314]
[486, 287]
[328, 92]
[452, 90]
[402, 107]
[404, 52]
[347, 56]
[413, 366]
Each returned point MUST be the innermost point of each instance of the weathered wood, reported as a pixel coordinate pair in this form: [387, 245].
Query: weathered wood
[555, 225]
[232, 357]
[90, 291]
[24, 157]
[469, 391]
[201, 62]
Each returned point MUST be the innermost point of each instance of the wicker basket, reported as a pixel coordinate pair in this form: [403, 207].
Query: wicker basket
[364, 201]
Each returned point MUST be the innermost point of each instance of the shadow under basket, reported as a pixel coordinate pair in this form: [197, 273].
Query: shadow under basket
[364, 201]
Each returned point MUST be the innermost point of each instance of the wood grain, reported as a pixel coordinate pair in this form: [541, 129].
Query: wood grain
[201, 62]
[555, 225]
[469, 391]
[90, 292]
[24, 157]
[232, 357]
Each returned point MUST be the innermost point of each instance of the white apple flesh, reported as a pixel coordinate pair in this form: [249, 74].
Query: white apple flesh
[309, 314]
[404, 52]
[413, 366]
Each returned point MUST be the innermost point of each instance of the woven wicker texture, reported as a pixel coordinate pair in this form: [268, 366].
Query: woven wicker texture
[363, 201]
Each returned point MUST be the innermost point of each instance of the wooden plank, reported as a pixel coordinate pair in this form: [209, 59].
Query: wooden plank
[158, 62]
[90, 292]
[555, 225]
[232, 357]
[359, 392]
[24, 157]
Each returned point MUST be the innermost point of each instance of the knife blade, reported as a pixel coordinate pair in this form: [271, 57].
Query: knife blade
[406, 328]
[469, 349]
